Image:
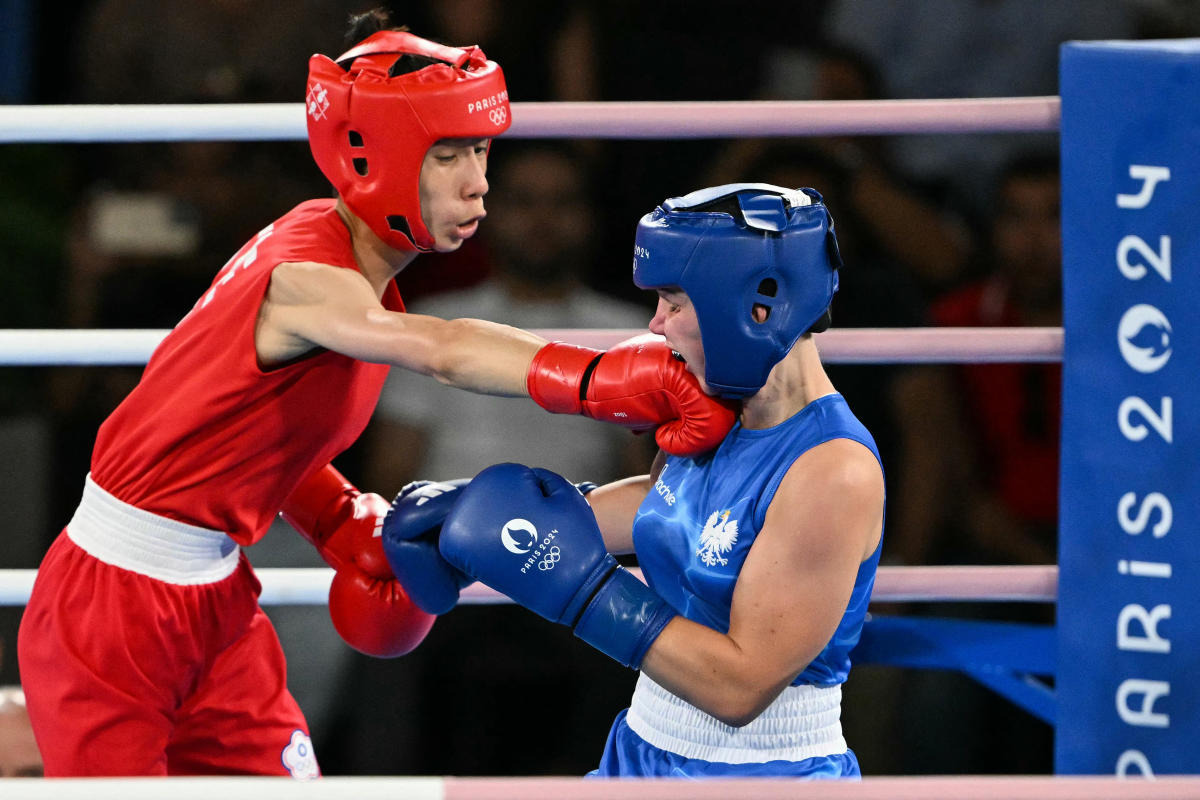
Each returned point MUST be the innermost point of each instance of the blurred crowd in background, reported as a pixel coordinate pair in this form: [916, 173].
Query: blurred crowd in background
[935, 230]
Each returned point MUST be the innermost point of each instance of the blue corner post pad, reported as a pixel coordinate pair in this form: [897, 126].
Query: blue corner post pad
[1129, 501]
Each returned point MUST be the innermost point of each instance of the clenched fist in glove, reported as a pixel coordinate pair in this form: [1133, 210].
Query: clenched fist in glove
[529, 534]
[369, 607]
[410, 541]
[638, 384]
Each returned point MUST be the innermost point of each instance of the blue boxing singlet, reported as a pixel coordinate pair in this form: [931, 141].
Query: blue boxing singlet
[692, 533]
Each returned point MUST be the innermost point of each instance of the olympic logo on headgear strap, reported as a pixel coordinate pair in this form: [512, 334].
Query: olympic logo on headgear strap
[498, 116]
[553, 556]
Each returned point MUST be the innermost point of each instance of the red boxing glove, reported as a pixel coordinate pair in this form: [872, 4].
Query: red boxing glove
[368, 606]
[638, 384]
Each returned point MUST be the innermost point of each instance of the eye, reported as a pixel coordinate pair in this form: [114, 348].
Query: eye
[481, 149]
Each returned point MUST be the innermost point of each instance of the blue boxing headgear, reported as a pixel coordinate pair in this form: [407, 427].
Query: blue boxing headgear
[733, 247]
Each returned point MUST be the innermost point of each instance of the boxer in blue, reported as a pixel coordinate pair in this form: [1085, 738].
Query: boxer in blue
[759, 556]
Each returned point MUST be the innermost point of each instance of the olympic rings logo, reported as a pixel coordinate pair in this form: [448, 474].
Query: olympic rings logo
[553, 556]
[498, 116]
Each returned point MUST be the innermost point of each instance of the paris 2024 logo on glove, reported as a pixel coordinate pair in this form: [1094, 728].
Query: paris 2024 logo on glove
[520, 537]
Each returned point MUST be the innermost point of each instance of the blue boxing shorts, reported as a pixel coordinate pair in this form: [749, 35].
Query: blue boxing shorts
[661, 735]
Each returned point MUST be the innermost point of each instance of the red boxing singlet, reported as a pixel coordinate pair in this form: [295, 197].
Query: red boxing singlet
[211, 439]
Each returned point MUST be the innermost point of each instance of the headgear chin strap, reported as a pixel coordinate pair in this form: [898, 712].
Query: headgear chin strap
[733, 247]
[369, 132]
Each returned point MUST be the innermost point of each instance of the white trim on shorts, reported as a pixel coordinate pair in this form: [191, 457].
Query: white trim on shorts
[803, 722]
[125, 536]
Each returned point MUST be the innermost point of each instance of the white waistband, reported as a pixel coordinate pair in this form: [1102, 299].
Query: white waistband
[803, 722]
[128, 537]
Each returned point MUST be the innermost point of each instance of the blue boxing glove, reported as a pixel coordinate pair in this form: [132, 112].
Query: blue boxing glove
[410, 543]
[529, 534]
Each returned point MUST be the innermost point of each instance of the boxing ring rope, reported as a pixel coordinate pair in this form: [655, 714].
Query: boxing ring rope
[600, 120]
[310, 586]
[427, 788]
[39, 347]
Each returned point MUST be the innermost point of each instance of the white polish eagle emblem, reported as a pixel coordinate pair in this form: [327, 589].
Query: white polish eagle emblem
[719, 536]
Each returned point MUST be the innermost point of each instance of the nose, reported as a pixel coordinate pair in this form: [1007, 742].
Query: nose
[658, 321]
[475, 184]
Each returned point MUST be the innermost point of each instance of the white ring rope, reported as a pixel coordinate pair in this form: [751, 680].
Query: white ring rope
[285, 586]
[601, 120]
[1172, 787]
[48, 347]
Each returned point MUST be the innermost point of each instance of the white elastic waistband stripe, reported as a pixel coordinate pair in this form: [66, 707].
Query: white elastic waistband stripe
[803, 722]
[128, 537]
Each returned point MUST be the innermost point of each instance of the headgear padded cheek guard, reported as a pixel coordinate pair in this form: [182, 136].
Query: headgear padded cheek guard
[733, 247]
[369, 132]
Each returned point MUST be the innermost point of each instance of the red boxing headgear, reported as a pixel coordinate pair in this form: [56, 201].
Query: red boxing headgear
[369, 132]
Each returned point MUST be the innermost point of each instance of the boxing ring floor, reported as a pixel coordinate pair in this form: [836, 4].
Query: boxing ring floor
[596, 120]
[449, 788]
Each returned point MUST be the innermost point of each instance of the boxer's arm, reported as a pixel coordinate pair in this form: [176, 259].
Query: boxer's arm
[316, 305]
[637, 384]
[793, 588]
[792, 591]
[368, 606]
[615, 506]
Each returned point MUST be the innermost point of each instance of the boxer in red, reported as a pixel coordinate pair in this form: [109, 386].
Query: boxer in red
[143, 649]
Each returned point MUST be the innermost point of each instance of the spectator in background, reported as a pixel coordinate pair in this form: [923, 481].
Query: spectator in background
[970, 48]
[994, 485]
[907, 225]
[979, 476]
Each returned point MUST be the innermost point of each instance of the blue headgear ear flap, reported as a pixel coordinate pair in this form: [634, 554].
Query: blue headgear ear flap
[731, 247]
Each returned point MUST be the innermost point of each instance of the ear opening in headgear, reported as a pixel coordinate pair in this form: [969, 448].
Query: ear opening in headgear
[355, 140]
[760, 312]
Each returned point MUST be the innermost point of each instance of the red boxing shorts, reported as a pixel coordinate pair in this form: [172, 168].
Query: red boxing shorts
[143, 651]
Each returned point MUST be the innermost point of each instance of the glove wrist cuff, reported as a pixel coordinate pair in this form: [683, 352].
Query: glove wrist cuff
[557, 376]
[624, 618]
